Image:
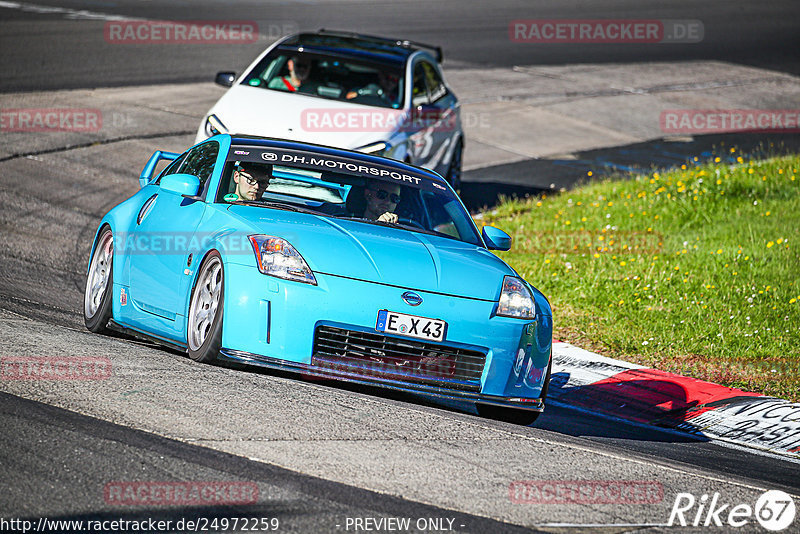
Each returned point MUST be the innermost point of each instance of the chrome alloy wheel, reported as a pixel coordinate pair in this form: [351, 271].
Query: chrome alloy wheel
[205, 302]
[99, 272]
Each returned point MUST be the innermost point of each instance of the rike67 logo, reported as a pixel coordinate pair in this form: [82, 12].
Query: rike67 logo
[774, 510]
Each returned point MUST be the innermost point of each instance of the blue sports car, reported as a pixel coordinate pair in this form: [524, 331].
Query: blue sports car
[323, 261]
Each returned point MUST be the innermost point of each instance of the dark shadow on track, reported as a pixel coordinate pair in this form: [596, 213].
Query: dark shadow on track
[482, 188]
[302, 503]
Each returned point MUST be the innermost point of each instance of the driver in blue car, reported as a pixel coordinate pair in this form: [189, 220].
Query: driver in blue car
[251, 180]
[381, 201]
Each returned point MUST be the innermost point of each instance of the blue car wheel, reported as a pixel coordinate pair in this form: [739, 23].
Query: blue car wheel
[204, 332]
[97, 295]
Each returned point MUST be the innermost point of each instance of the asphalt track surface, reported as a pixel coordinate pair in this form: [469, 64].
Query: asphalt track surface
[64, 50]
[58, 448]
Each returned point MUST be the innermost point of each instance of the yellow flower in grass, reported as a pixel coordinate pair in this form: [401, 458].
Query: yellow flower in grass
[770, 244]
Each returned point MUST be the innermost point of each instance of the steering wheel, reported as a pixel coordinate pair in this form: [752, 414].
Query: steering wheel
[409, 222]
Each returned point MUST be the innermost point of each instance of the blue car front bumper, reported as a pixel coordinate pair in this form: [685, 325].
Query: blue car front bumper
[328, 331]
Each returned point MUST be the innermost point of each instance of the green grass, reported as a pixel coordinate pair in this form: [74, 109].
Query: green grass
[694, 271]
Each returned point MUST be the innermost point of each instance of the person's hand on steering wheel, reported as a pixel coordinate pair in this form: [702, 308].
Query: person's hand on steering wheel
[388, 217]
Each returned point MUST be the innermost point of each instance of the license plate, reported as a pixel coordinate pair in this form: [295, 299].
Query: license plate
[411, 325]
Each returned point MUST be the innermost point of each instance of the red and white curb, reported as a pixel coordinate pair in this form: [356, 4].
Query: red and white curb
[620, 389]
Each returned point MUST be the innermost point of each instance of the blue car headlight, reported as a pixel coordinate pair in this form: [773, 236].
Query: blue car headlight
[516, 300]
[277, 257]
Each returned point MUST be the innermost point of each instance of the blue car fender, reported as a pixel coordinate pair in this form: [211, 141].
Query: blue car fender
[226, 242]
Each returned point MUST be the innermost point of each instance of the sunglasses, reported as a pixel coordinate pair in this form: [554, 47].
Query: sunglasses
[252, 181]
[382, 194]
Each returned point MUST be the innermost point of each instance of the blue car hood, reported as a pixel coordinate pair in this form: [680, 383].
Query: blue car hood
[383, 254]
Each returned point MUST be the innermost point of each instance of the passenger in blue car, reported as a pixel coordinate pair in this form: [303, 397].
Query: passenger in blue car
[381, 201]
[251, 180]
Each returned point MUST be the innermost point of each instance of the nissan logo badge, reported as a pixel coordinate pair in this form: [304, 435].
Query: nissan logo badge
[412, 299]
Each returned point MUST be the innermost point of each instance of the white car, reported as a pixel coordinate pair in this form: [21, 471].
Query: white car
[381, 96]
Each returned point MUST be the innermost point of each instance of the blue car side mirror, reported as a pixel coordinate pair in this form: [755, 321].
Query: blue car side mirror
[183, 184]
[495, 238]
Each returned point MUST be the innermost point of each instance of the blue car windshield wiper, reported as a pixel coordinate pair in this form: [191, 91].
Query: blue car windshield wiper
[277, 205]
[411, 227]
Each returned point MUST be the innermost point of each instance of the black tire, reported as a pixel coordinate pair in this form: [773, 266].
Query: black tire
[96, 316]
[454, 170]
[512, 415]
[203, 341]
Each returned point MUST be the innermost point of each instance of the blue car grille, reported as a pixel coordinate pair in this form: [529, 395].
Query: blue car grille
[373, 355]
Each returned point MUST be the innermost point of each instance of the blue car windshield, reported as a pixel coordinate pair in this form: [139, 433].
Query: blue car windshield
[339, 187]
[331, 77]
